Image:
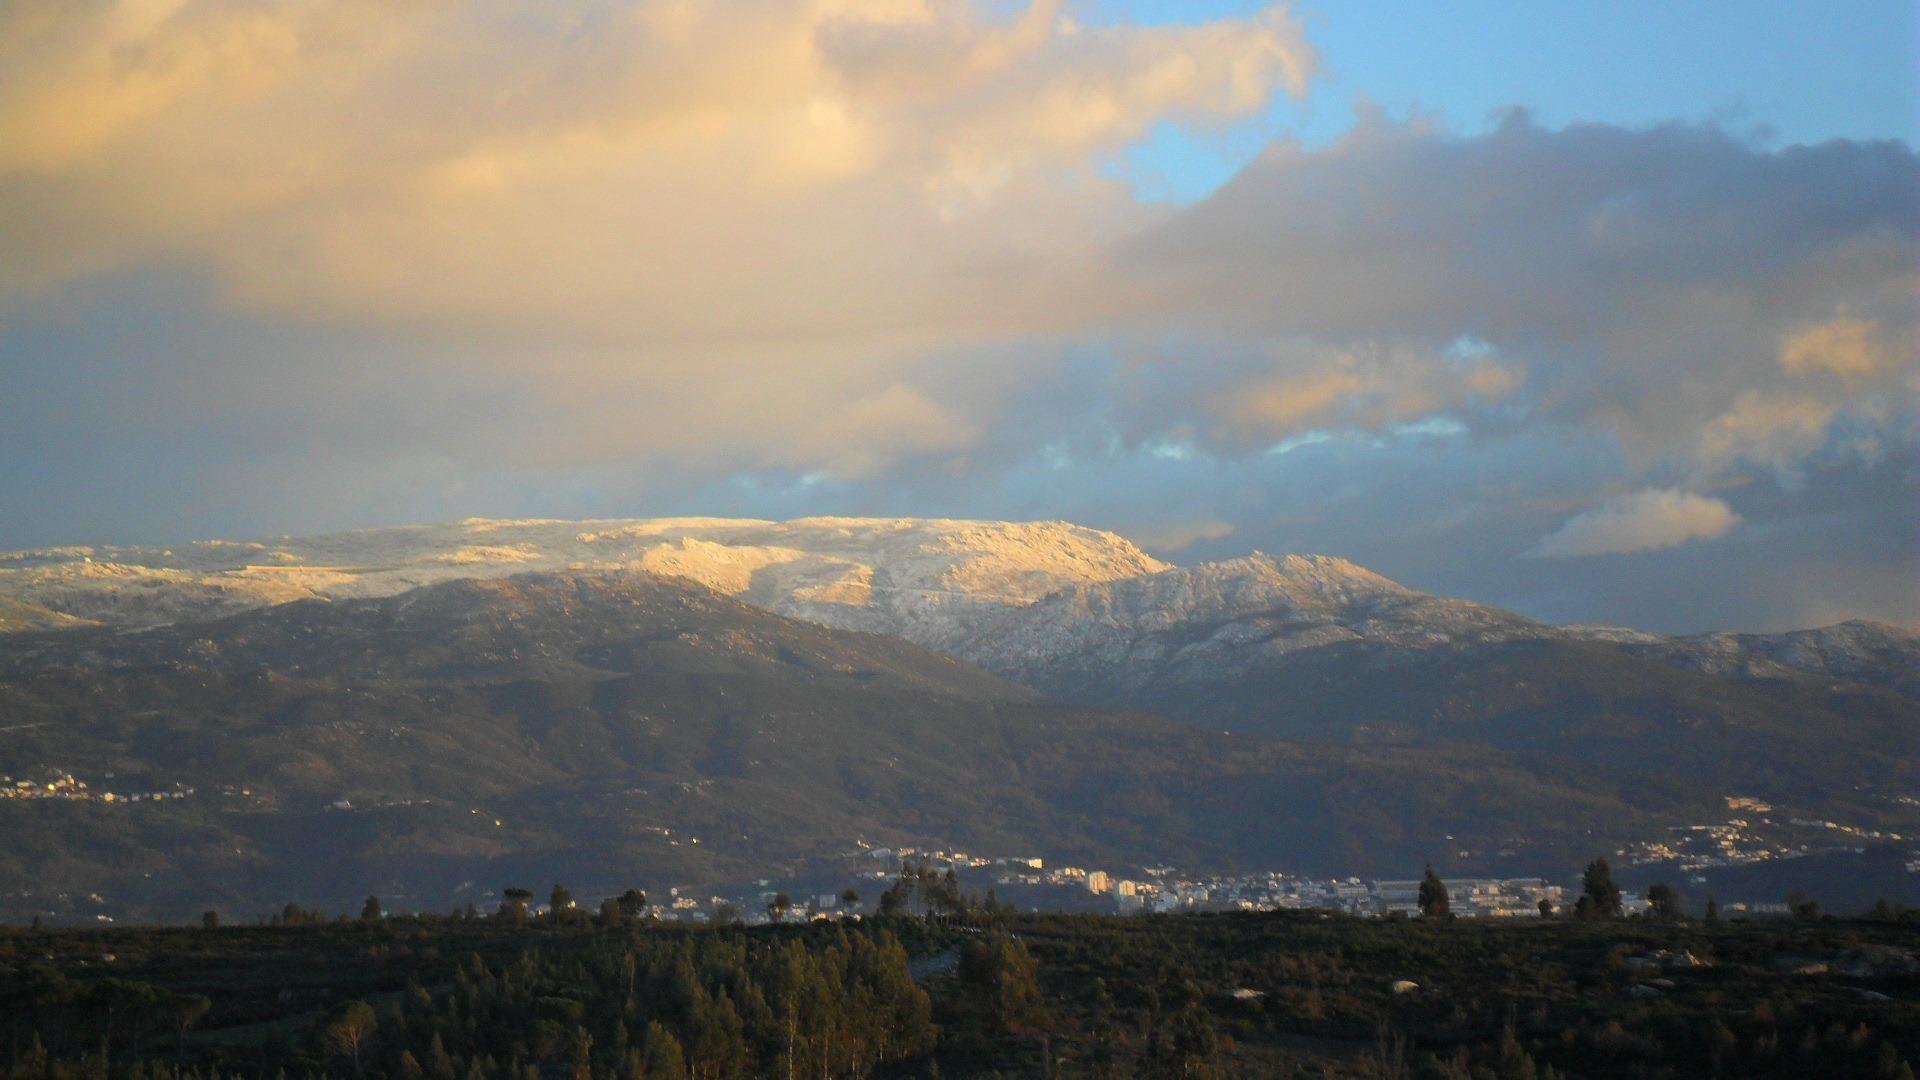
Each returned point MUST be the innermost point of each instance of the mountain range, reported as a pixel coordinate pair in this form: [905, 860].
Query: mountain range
[425, 710]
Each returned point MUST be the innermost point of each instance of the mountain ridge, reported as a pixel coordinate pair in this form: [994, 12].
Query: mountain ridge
[821, 575]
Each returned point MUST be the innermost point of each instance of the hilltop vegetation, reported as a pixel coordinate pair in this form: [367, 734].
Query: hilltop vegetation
[980, 994]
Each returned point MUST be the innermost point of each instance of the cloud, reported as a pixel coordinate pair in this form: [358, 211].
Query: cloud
[1850, 348]
[640, 255]
[661, 227]
[1642, 281]
[1367, 388]
[1642, 521]
[1771, 429]
[655, 173]
[856, 441]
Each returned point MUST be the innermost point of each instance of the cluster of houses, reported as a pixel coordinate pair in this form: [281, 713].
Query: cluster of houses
[1748, 839]
[66, 786]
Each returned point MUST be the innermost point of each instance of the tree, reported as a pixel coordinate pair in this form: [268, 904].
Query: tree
[346, 1031]
[1546, 908]
[1713, 909]
[559, 900]
[439, 1062]
[580, 1053]
[370, 911]
[183, 1011]
[850, 898]
[662, 1055]
[1599, 896]
[1434, 901]
[1664, 901]
[114, 1002]
[515, 901]
[1004, 981]
[210, 920]
[779, 906]
[633, 903]
[1515, 1062]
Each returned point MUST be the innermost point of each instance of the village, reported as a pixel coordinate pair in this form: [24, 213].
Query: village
[1752, 837]
[68, 788]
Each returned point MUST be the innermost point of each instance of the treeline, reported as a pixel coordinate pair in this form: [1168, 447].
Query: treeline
[839, 1002]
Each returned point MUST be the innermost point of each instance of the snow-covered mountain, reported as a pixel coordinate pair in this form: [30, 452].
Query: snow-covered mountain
[928, 580]
[1068, 609]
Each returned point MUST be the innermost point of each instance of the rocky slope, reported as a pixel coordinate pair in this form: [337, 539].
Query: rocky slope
[1218, 621]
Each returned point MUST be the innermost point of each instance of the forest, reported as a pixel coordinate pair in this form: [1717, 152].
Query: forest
[930, 986]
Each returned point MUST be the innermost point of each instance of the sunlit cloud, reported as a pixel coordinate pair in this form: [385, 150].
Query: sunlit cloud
[1641, 521]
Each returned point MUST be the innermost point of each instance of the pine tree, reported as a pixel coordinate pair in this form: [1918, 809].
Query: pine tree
[439, 1063]
[662, 1054]
[1434, 901]
[1600, 897]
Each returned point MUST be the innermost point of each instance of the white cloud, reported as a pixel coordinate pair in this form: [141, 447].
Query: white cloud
[1642, 521]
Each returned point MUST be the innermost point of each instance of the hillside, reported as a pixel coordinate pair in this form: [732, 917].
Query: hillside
[1270, 711]
[602, 728]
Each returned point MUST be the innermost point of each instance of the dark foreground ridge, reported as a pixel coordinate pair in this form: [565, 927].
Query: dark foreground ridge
[979, 994]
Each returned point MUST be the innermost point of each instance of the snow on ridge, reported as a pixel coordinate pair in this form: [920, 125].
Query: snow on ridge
[906, 576]
[1035, 601]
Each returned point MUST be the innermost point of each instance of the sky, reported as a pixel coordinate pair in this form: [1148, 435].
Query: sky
[1599, 312]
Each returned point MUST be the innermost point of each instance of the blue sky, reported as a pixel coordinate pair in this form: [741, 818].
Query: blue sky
[1787, 72]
